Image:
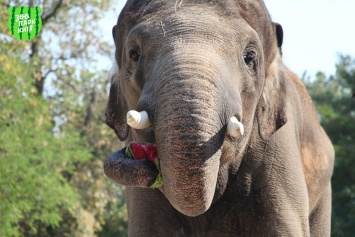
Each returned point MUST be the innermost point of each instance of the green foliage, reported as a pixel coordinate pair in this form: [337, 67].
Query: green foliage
[335, 102]
[32, 187]
[53, 137]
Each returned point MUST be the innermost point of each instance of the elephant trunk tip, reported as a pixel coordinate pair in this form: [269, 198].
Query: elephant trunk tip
[138, 120]
[191, 205]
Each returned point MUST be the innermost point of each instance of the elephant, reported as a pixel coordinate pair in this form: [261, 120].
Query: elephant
[191, 69]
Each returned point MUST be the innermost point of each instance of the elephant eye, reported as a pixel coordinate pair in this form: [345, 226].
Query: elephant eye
[249, 57]
[134, 54]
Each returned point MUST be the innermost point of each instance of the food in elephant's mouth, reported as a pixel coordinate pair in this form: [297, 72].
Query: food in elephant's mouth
[141, 151]
[136, 165]
[146, 151]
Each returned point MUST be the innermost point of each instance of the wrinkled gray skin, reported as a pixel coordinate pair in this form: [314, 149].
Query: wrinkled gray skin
[192, 65]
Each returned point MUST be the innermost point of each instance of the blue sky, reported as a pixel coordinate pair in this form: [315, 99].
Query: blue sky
[315, 31]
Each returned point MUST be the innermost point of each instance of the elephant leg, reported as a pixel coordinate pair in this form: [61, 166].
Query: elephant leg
[321, 215]
[150, 214]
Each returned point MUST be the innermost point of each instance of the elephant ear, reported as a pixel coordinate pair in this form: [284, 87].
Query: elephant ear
[116, 110]
[271, 110]
[279, 35]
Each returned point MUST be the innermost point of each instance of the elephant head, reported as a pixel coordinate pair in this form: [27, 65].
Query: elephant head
[192, 68]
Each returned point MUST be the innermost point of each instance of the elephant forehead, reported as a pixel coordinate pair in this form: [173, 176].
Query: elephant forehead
[137, 9]
[197, 22]
[212, 13]
[253, 11]
[183, 30]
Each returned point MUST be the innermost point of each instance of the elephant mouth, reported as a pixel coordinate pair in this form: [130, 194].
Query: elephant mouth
[139, 169]
[136, 165]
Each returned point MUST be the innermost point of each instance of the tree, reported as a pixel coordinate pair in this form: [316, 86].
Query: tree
[33, 191]
[335, 102]
[54, 79]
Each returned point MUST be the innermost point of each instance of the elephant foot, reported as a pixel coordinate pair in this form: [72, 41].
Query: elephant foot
[136, 165]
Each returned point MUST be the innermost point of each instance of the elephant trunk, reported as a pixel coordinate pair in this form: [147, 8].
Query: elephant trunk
[189, 133]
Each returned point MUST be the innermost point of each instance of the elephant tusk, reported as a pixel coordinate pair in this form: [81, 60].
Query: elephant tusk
[138, 120]
[234, 127]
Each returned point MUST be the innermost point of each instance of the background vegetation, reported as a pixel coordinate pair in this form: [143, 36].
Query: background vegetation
[53, 138]
[334, 98]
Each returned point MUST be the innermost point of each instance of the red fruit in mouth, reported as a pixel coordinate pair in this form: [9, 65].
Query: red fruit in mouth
[144, 151]
[141, 151]
[138, 151]
[152, 153]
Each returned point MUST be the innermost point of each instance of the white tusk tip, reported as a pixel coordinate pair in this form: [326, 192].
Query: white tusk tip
[234, 127]
[138, 120]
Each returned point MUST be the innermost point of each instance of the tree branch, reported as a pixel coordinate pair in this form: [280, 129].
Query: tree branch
[39, 81]
[54, 10]
[68, 84]
[88, 109]
[49, 71]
